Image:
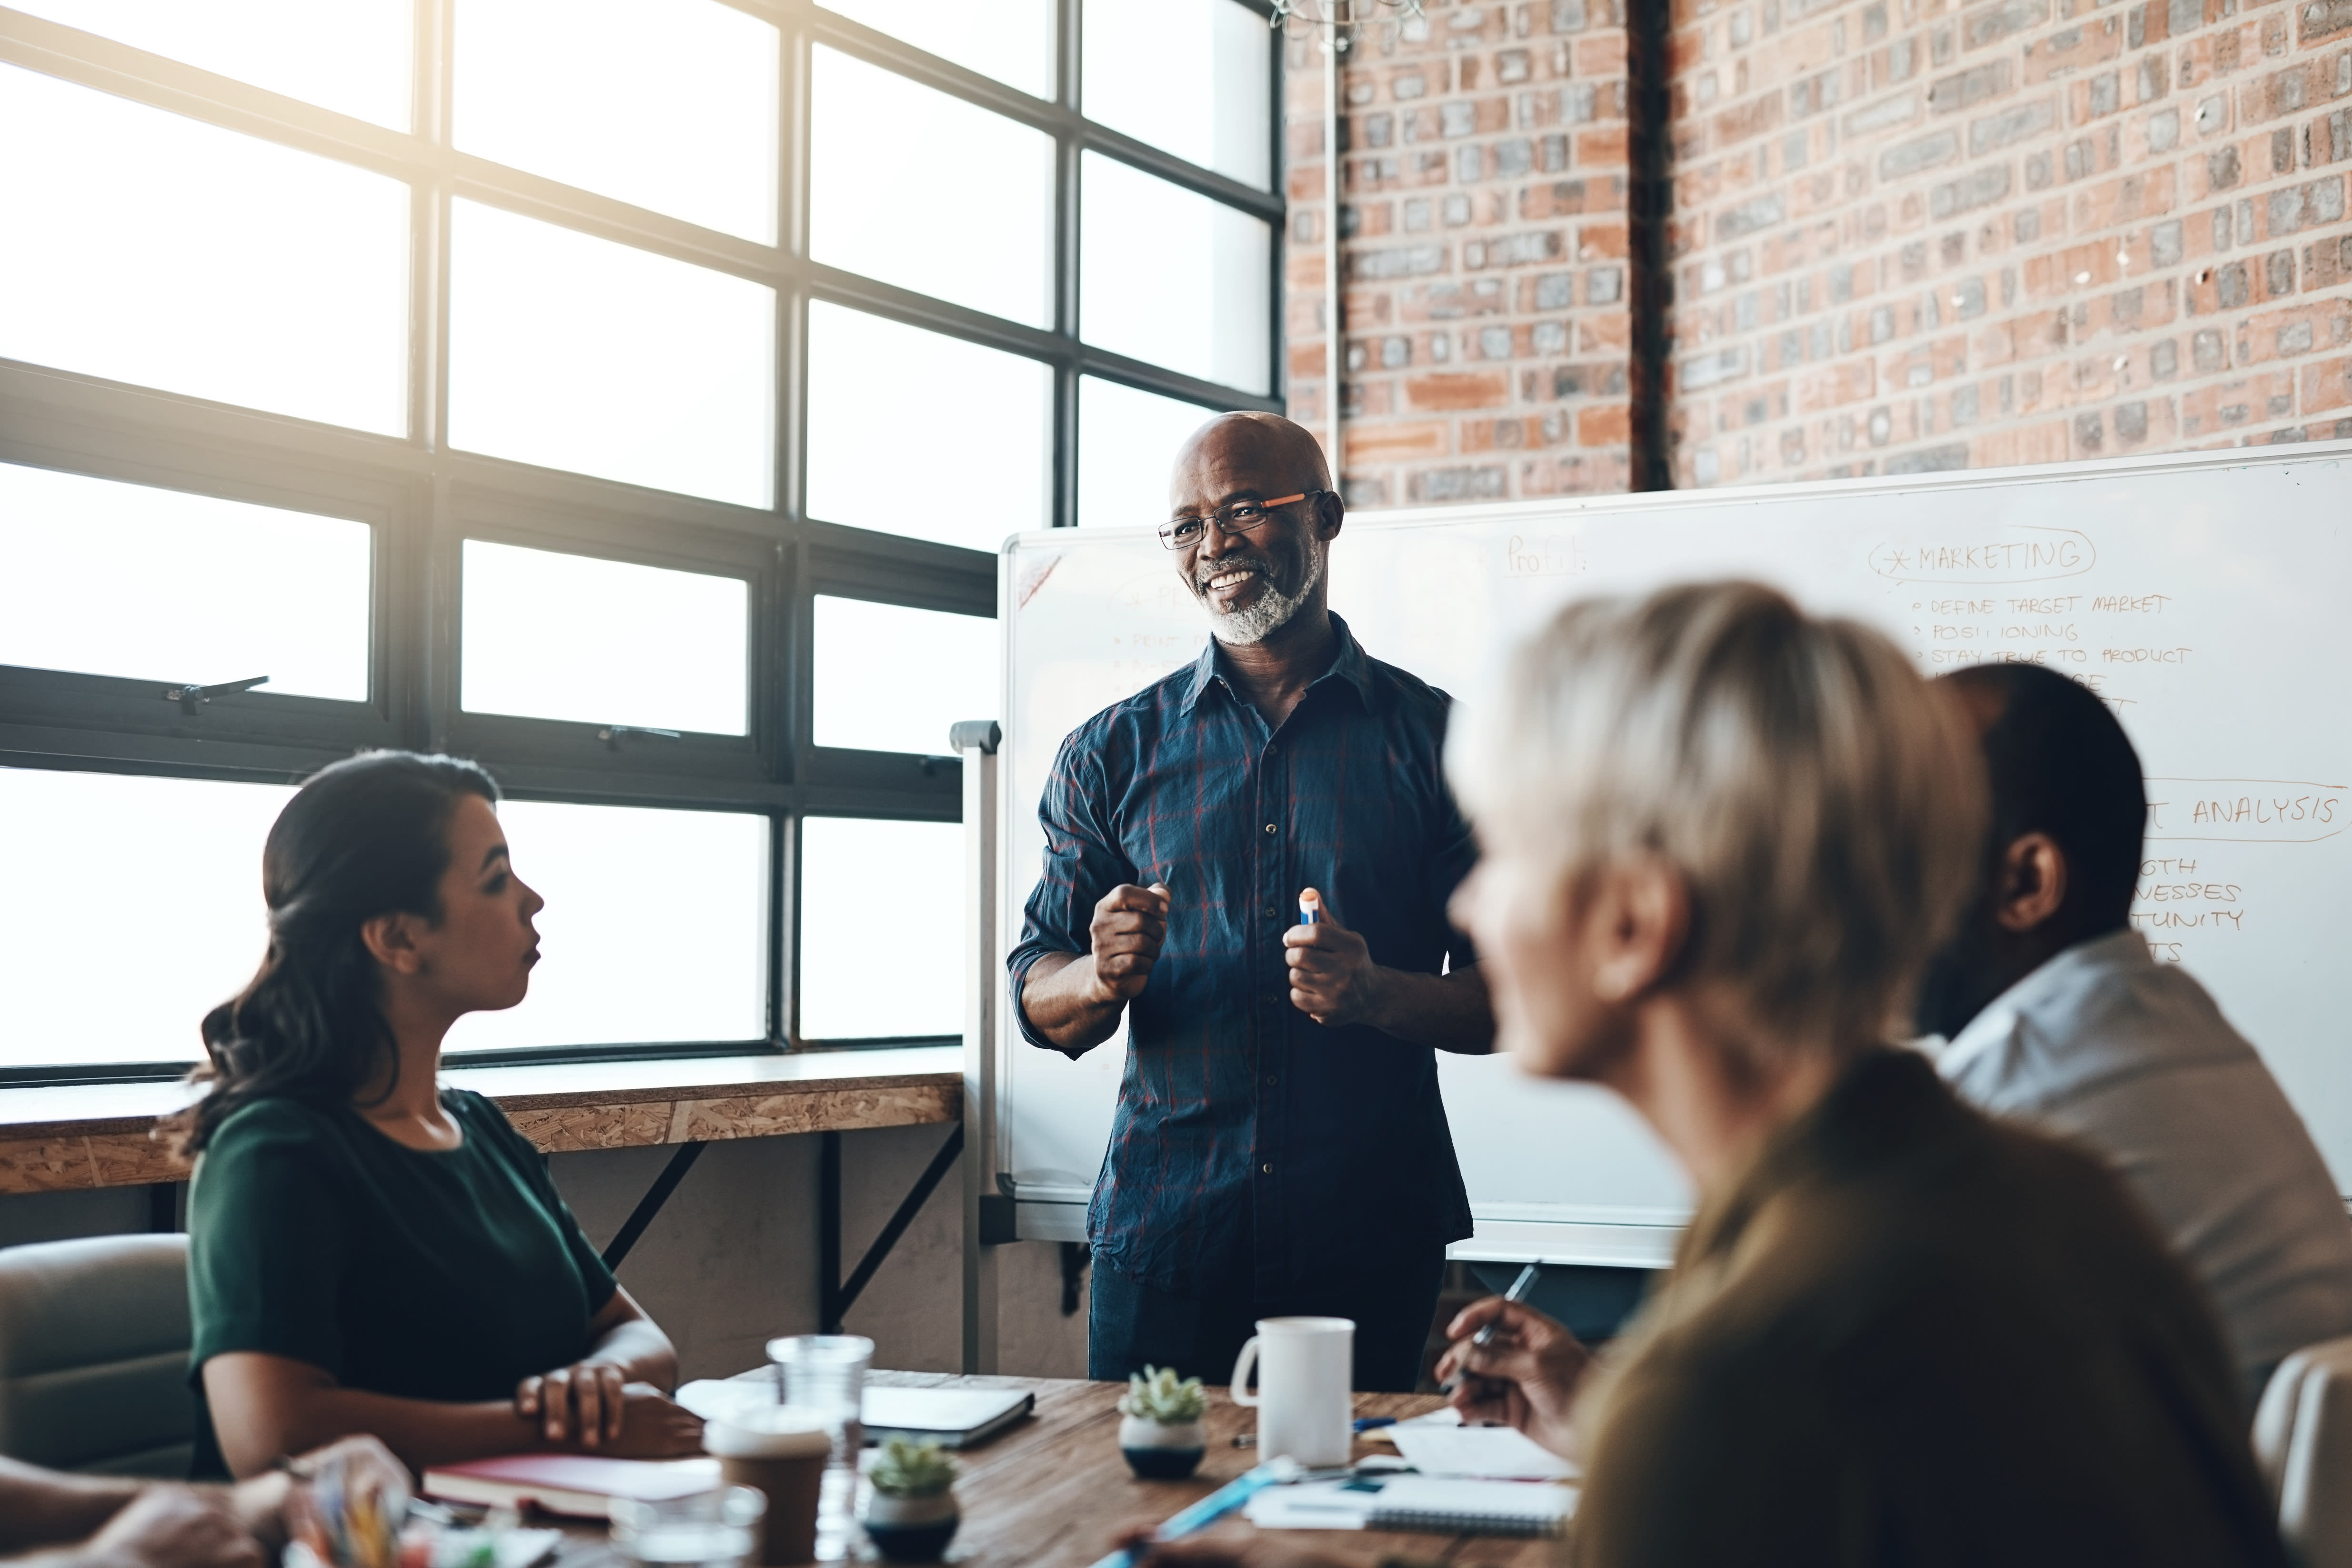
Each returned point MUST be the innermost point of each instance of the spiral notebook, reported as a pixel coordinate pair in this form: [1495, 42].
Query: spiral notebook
[1443, 1504]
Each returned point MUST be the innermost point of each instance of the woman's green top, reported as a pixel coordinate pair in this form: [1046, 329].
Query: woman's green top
[444, 1275]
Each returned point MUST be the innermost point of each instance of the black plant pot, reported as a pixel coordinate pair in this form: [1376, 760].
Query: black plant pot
[912, 1530]
[1159, 1451]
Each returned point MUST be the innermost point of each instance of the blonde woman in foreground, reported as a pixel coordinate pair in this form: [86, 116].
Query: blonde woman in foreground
[1721, 839]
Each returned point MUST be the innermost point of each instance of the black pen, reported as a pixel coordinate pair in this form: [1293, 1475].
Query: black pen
[1517, 1292]
[1486, 1336]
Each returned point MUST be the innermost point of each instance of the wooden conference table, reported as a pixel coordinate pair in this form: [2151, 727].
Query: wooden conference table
[1051, 1491]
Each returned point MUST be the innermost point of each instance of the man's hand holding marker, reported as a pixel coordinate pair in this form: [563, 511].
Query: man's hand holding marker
[1332, 978]
[1130, 924]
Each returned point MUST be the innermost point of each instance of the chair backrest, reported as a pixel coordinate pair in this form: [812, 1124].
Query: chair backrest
[94, 1354]
[2303, 1439]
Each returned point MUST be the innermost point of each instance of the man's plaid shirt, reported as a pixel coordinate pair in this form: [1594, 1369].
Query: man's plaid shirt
[1242, 1123]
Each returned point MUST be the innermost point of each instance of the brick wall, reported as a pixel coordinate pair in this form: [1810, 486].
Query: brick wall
[1905, 235]
[1484, 253]
[1911, 235]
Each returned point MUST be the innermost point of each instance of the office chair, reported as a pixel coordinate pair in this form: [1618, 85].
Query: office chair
[2303, 1439]
[94, 1355]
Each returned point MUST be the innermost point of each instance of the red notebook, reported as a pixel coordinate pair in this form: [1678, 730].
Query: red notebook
[580, 1486]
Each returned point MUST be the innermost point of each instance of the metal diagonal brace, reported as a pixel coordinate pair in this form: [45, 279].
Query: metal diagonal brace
[838, 1298]
[651, 1204]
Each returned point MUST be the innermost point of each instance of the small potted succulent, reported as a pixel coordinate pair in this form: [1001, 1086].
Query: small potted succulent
[911, 1514]
[1160, 1424]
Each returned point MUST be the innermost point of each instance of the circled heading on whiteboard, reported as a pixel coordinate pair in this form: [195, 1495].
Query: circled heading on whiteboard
[2017, 552]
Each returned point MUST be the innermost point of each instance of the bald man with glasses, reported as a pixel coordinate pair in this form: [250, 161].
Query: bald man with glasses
[1280, 1146]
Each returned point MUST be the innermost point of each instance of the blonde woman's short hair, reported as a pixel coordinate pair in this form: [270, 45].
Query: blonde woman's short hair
[1824, 805]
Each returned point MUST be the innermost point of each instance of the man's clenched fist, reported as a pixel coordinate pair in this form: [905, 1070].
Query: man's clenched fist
[1130, 924]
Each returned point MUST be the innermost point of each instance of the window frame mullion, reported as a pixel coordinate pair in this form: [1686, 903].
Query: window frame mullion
[423, 499]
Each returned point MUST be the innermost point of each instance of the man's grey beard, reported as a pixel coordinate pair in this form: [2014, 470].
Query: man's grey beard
[1270, 612]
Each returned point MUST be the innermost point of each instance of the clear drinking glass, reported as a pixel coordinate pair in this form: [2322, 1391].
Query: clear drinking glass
[825, 1375]
[709, 1530]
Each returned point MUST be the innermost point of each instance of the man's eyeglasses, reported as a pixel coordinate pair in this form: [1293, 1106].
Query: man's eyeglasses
[1241, 517]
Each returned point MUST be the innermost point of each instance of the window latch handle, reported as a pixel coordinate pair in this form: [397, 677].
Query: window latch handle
[611, 733]
[191, 698]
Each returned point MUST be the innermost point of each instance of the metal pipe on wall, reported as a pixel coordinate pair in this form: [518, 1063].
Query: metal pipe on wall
[1333, 39]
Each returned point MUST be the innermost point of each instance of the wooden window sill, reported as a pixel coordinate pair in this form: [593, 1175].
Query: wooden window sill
[98, 1135]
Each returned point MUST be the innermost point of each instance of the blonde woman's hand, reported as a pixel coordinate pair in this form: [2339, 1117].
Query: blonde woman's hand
[1528, 1375]
[1231, 1545]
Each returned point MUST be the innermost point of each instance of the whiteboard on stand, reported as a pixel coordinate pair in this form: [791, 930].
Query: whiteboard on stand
[2200, 595]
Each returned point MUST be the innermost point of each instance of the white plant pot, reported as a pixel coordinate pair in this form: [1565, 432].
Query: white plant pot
[1160, 1450]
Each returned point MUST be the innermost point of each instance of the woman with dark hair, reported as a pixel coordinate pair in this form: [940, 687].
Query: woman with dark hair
[370, 1252]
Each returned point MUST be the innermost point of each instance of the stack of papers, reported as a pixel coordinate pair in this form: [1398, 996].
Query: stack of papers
[1491, 1453]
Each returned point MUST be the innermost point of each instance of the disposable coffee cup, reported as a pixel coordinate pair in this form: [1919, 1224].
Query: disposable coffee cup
[780, 1453]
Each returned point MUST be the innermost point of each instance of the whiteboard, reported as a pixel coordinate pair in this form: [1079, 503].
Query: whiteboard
[2199, 594]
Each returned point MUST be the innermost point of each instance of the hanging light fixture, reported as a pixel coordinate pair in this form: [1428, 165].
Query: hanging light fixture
[1341, 21]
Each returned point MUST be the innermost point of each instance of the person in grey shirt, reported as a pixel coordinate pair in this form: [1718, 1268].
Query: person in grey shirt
[2056, 1013]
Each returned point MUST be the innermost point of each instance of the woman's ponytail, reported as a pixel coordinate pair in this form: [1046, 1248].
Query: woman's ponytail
[365, 836]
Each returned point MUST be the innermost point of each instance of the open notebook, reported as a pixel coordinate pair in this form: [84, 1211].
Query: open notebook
[1443, 1504]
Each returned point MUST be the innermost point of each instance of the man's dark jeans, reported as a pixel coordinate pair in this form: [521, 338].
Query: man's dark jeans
[1199, 1328]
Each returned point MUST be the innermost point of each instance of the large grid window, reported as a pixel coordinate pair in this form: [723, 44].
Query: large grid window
[630, 395]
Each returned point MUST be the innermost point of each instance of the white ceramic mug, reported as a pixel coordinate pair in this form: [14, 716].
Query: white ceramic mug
[1302, 1399]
